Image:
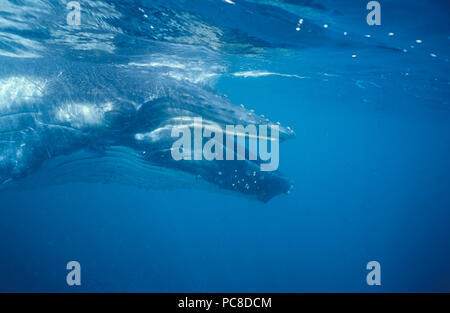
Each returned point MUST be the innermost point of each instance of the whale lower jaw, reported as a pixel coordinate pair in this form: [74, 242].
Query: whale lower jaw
[123, 165]
[114, 165]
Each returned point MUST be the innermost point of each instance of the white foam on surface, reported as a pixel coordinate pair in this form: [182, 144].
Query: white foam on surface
[256, 74]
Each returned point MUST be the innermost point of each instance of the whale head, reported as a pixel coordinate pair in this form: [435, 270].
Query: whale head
[99, 103]
[114, 123]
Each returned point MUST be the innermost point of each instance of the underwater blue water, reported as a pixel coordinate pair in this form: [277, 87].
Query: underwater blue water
[369, 162]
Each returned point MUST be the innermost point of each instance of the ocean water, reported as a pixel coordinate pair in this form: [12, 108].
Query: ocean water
[368, 164]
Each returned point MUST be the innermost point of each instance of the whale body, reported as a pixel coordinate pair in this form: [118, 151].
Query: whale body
[74, 106]
[79, 122]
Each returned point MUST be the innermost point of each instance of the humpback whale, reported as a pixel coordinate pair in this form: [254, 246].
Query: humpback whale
[72, 104]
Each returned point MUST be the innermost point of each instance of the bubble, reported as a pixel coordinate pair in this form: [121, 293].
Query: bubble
[354, 55]
[300, 22]
[433, 55]
[419, 41]
[391, 34]
[325, 25]
[220, 173]
[345, 33]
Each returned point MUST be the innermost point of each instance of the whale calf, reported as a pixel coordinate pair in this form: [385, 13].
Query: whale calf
[73, 106]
